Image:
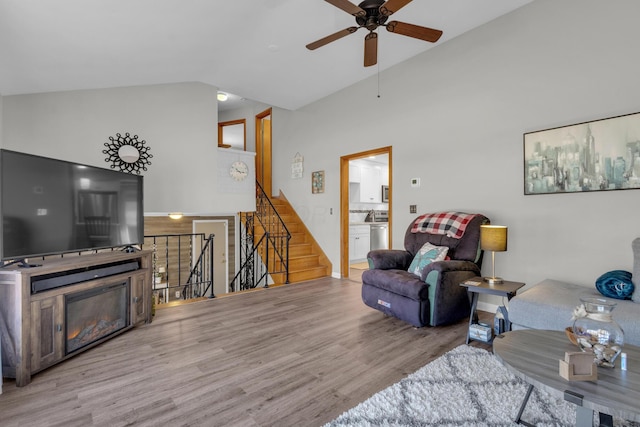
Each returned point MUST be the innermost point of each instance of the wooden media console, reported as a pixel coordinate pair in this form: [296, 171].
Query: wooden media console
[46, 311]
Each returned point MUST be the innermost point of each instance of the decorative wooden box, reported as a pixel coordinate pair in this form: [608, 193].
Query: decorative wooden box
[578, 366]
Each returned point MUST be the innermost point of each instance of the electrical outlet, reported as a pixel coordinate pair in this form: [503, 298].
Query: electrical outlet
[415, 182]
[413, 208]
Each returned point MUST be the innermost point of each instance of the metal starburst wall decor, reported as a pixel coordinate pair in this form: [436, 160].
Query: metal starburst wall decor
[127, 153]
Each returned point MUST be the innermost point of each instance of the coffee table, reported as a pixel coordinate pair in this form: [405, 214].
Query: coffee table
[533, 355]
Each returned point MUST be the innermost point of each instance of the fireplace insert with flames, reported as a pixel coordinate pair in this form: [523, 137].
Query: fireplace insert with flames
[94, 314]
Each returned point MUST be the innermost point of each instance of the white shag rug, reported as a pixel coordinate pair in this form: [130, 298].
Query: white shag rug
[467, 386]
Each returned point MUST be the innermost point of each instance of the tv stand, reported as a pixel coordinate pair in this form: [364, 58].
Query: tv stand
[33, 324]
[23, 264]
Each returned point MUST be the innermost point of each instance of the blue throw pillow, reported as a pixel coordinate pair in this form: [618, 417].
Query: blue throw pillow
[615, 284]
[427, 254]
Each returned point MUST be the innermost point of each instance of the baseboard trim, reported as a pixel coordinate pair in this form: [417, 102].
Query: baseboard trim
[486, 306]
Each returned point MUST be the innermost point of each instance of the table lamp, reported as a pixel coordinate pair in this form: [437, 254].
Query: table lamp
[493, 238]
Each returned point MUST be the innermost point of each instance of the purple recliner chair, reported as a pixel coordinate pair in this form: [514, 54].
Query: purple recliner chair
[434, 298]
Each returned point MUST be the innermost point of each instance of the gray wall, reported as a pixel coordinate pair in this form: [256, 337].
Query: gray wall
[455, 117]
[178, 122]
[249, 113]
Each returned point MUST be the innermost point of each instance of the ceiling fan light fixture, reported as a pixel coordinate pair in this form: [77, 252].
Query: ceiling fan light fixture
[371, 14]
[222, 96]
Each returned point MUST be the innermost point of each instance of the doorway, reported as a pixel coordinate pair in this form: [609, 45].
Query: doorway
[344, 201]
[219, 228]
[263, 150]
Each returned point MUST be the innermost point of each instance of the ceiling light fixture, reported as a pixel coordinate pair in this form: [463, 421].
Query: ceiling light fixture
[222, 96]
[175, 215]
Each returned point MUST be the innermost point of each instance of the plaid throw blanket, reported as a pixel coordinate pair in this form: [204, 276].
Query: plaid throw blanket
[452, 224]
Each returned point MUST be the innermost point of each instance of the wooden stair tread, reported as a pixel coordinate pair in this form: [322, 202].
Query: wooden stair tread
[301, 275]
[306, 259]
[297, 249]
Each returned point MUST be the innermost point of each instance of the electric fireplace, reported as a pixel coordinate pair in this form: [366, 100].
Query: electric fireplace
[95, 314]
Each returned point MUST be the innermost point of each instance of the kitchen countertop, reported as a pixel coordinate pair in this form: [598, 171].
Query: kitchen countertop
[368, 223]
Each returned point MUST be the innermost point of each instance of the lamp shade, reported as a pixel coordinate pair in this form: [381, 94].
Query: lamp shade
[493, 238]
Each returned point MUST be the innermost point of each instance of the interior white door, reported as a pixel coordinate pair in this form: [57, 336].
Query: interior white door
[220, 229]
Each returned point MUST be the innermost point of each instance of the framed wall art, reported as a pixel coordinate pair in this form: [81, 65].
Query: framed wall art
[317, 182]
[297, 166]
[599, 155]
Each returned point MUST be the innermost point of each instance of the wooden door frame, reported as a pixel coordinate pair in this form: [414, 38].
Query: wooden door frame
[221, 126]
[344, 201]
[263, 152]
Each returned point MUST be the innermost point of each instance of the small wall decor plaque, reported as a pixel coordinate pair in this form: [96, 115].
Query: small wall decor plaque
[297, 166]
[317, 182]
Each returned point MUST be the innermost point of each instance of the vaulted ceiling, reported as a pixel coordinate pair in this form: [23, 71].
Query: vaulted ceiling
[254, 49]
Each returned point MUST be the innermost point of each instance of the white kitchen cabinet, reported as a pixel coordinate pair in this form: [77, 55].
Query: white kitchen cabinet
[359, 242]
[370, 184]
[354, 173]
[384, 175]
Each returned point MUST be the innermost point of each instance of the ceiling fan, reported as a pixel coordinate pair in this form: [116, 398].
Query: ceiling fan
[371, 14]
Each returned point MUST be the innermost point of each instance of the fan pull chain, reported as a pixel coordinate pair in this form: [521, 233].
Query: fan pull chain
[378, 66]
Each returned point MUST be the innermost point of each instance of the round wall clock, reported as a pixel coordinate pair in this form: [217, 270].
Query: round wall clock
[239, 170]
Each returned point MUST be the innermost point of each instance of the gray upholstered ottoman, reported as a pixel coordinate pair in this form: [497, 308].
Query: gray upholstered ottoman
[550, 303]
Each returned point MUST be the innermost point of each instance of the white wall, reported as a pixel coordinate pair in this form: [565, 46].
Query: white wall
[178, 122]
[249, 113]
[455, 117]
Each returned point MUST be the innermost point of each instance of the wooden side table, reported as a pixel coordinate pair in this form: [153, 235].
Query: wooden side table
[476, 286]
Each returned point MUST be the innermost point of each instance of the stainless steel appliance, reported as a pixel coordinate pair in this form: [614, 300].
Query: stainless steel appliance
[385, 194]
[379, 236]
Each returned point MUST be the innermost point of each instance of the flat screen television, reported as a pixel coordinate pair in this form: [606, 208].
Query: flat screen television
[51, 206]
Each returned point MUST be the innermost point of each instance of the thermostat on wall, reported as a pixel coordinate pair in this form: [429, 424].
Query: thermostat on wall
[415, 182]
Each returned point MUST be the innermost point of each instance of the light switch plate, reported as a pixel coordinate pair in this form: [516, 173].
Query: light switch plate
[415, 182]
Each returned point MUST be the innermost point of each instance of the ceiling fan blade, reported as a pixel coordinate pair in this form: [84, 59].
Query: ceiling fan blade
[332, 37]
[370, 49]
[392, 6]
[348, 7]
[415, 31]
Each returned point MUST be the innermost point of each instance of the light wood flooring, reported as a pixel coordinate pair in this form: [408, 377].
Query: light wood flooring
[294, 355]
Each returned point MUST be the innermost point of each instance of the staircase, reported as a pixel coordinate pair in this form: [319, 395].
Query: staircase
[276, 247]
[306, 259]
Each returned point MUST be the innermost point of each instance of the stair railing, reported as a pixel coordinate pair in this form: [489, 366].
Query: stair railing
[277, 233]
[200, 280]
[179, 273]
[253, 272]
[267, 255]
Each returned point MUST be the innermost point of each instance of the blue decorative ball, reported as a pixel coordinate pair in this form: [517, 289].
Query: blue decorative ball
[615, 284]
